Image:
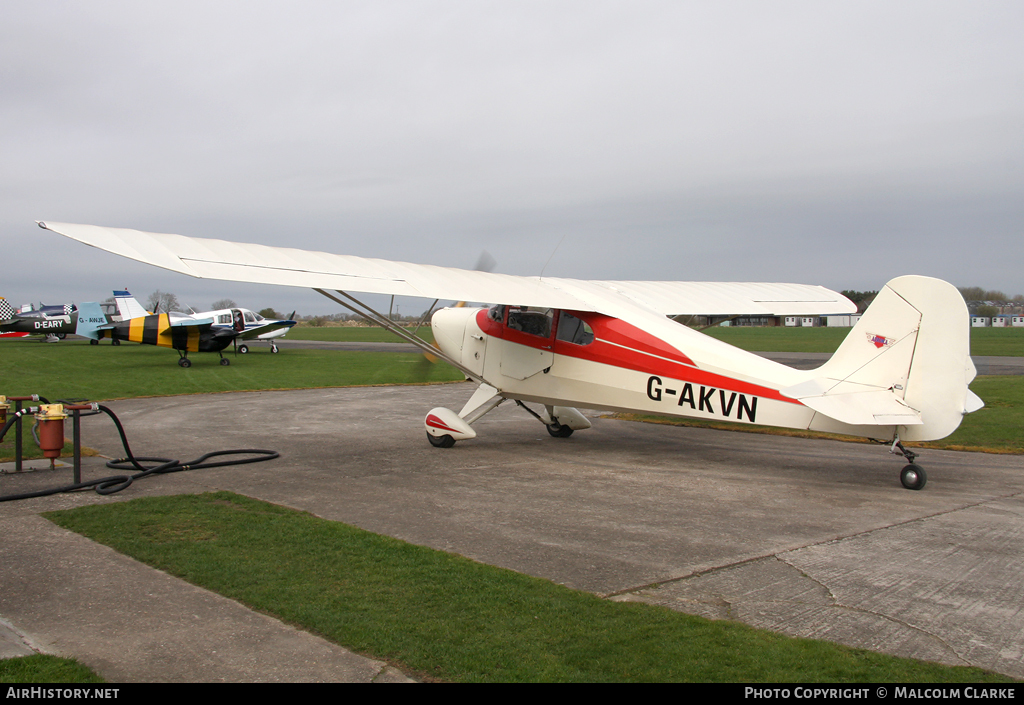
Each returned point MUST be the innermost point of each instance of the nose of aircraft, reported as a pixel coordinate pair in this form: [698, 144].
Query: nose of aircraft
[449, 326]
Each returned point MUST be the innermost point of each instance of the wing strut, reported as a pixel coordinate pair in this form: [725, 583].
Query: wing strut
[374, 317]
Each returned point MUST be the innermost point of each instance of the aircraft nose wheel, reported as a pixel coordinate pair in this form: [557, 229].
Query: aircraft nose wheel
[444, 441]
[913, 477]
[559, 431]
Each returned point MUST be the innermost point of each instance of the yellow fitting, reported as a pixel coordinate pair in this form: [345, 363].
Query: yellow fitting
[51, 412]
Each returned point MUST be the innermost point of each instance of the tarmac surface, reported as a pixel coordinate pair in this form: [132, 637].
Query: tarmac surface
[809, 538]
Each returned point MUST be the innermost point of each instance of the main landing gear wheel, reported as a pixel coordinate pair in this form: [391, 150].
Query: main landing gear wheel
[115, 341]
[444, 441]
[184, 362]
[273, 348]
[559, 431]
[913, 477]
[243, 349]
[93, 342]
[224, 361]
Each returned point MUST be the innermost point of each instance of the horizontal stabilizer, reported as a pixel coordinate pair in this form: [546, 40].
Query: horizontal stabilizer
[973, 402]
[852, 405]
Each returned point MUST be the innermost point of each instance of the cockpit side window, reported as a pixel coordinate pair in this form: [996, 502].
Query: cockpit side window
[531, 319]
[573, 330]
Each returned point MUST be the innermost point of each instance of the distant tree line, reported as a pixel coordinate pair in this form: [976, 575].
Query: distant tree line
[976, 293]
[862, 298]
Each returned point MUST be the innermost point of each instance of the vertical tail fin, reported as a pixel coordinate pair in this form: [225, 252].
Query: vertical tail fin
[914, 340]
[90, 321]
[6, 310]
[127, 307]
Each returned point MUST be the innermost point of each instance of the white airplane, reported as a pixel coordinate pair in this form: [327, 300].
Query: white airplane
[251, 325]
[900, 375]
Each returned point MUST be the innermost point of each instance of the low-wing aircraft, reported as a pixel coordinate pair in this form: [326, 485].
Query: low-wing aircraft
[249, 325]
[900, 375]
[180, 331]
[55, 322]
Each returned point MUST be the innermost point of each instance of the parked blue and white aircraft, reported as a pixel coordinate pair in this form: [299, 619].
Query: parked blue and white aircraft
[250, 325]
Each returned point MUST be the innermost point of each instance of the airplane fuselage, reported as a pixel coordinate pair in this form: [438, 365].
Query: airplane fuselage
[156, 329]
[595, 361]
[41, 323]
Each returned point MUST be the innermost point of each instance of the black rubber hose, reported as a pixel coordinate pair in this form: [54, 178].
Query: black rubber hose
[116, 483]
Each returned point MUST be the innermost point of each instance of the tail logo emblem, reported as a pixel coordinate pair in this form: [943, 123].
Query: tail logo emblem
[879, 341]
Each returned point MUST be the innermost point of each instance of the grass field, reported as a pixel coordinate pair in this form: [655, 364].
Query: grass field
[43, 668]
[441, 616]
[73, 369]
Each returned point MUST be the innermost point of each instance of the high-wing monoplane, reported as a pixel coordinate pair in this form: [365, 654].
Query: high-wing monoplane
[901, 374]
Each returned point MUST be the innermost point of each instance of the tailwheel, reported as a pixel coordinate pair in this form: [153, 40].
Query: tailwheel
[557, 430]
[913, 477]
[444, 441]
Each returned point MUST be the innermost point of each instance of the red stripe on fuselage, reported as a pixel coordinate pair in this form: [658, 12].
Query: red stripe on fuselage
[623, 345]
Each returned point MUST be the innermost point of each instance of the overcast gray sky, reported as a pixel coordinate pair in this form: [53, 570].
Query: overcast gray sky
[834, 143]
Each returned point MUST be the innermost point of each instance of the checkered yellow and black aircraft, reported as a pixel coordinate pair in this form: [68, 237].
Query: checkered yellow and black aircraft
[179, 331]
[54, 322]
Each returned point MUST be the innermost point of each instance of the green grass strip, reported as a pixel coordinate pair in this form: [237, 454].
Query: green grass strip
[41, 668]
[77, 370]
[445, 617]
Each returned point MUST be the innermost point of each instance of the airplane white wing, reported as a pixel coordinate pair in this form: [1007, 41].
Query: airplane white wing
[232, 261]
